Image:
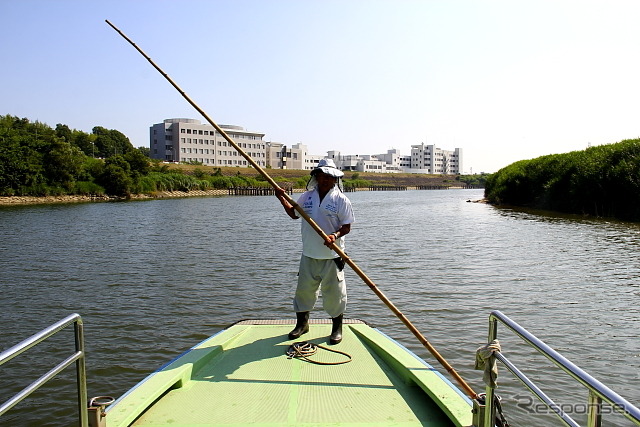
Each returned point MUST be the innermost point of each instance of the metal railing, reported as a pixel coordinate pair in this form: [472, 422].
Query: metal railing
[78, 357]
[598, 392]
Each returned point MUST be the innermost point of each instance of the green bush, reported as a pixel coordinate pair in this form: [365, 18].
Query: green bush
[88, 188]
[357, 183]
[199, 173]
[477, 180]
[41, 190]
[601, 181]
[145, 185]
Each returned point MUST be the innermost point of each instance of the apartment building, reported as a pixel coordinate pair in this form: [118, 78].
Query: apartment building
[185, 140]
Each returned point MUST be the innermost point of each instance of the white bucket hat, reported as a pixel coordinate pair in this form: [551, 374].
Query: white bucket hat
[329, 167]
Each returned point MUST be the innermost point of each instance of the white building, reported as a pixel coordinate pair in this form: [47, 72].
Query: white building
[395, 162]
[186, 140]
[432, 160]
[359, 163]
[279, 156]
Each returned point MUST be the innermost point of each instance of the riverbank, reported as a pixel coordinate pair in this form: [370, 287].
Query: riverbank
[31, 200]
[48, 200]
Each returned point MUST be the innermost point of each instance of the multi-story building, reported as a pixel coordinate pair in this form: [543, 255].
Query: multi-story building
[279, 156]
[433, 160]
[186, 140]
[276, 155]
[395, 162]
[358, 163]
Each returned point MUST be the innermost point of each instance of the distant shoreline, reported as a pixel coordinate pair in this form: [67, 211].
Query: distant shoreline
[51, 200]
[48, 200]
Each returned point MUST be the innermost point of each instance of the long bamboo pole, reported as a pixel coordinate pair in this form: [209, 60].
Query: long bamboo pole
[468, 390]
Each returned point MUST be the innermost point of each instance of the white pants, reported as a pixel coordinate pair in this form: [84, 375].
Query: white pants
[317, 275]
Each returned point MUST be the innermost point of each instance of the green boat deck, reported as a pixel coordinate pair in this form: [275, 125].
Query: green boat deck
[242, 376]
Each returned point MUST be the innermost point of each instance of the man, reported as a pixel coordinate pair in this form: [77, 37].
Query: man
[321, 267]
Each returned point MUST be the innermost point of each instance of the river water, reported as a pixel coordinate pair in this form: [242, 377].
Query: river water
[152, 278]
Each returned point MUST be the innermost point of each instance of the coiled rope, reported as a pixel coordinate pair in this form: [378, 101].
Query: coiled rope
[304, 349]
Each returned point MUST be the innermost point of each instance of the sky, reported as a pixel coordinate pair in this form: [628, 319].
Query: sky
[504, 80]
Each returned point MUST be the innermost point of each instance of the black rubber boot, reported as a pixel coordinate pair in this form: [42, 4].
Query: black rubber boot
[336, 330]
[302, 325]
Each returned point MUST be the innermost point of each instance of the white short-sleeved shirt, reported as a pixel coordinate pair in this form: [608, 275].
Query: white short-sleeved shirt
[334, 211]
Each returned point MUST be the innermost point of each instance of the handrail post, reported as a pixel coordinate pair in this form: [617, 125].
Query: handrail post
[490, 407]
[594, 410]
[81, 374]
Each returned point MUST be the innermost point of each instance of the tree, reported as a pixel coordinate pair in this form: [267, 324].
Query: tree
[146, 151]
[20, 154]
[116, 181]
[63, 163]
[85, 142]
[36, 159]
[138, 162]
[63, 131]
[18, 166]
[92, 169]
[110, 142]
